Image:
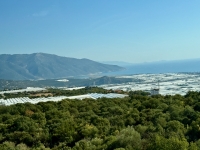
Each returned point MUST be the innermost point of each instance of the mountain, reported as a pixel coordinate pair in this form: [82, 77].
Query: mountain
[46, 66]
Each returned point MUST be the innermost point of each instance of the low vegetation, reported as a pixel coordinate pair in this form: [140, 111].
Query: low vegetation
[137, 122]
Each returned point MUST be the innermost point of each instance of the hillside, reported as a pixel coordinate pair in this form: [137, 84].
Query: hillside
[45, 66]
[137, 122]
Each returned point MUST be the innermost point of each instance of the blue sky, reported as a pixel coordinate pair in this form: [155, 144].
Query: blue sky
[102, 30]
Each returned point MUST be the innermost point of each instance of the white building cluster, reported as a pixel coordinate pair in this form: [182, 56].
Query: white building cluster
[169, 83]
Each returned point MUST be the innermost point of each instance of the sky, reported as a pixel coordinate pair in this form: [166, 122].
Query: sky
[133, 31]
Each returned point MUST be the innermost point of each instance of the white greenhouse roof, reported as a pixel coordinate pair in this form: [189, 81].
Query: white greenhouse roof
[13, 101]
[28, 89]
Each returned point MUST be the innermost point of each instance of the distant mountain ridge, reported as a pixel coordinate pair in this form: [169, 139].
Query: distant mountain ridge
[46, 66]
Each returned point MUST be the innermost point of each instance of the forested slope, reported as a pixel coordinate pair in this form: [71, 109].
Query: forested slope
[137, 122]
[48, 66]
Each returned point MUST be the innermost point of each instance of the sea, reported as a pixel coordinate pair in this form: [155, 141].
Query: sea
[184, 66]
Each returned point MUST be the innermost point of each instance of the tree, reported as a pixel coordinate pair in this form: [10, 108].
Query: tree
[172, 143]
[128, 138]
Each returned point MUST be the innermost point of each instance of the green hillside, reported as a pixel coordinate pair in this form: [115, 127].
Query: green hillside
[47, 66]
[137, 122]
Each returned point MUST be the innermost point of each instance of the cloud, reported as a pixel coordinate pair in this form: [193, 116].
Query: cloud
[41, 14]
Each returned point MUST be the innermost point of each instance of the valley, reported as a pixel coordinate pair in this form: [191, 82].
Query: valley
[168, 83]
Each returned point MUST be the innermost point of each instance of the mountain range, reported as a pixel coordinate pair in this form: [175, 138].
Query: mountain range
[48, 66]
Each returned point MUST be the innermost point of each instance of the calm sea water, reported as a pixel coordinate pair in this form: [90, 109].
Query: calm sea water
[160, 67]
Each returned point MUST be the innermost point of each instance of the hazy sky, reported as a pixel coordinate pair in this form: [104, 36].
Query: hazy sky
[102, 30]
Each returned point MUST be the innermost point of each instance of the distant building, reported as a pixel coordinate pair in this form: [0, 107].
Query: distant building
[155, 91]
